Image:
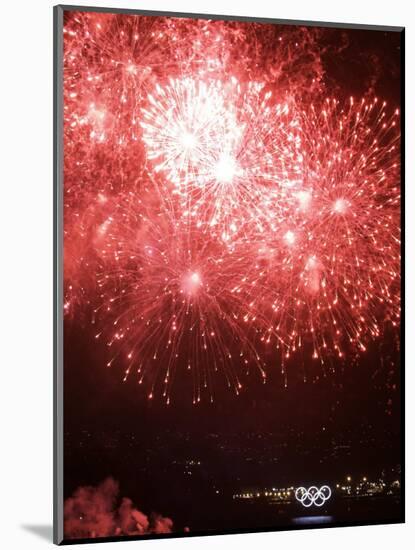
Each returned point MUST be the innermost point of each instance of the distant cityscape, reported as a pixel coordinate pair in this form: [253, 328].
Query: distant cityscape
[347, 488]
[261, 461]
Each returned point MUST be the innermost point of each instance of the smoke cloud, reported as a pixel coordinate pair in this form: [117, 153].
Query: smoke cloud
[99, 511]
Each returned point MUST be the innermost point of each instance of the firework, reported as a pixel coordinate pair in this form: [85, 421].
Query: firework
[229, 151]
[170, 299]
[220, 217]
[335, 260]
[84, 228]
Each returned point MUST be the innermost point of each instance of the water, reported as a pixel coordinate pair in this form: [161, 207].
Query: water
[255, 515]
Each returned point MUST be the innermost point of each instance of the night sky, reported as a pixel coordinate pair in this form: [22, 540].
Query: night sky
[306, 424]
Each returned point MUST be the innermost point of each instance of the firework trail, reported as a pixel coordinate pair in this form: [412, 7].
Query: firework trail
[172, 298]
[336, 259]
[220, 215]
[227, 149]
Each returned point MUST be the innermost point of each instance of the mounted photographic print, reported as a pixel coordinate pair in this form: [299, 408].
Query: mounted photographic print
[228, 333]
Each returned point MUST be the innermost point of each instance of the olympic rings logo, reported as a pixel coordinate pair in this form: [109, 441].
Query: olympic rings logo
[313, 495]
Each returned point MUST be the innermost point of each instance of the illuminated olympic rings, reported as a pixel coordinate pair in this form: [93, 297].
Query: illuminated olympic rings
[313, 495]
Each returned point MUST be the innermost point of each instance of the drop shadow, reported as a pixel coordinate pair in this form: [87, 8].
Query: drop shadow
[44, 532]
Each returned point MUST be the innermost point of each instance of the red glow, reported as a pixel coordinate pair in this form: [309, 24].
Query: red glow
[221, 223]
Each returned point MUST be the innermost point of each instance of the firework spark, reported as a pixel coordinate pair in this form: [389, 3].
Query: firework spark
[175, 298]
[220, 216]
[335, 259]
[228, 149]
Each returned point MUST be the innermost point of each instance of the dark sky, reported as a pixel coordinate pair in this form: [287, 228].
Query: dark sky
[362, 395]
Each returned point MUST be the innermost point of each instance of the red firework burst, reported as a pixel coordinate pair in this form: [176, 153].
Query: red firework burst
[332, 267]
[172, 297]
[216, 222]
